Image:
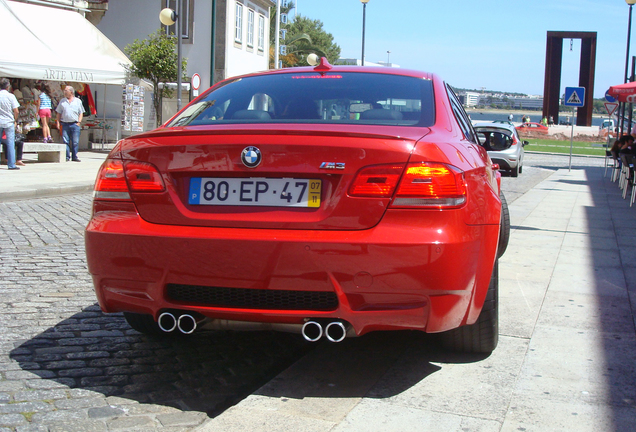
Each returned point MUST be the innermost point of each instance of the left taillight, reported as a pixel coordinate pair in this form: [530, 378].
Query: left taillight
[116, 179]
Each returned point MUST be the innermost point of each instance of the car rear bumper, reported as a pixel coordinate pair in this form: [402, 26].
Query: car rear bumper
[505, 164]
[431, 277]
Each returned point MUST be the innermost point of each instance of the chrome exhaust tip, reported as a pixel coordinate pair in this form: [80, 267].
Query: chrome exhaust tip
[312, 331]
[167, 322]
[187, 324]
[336, 331]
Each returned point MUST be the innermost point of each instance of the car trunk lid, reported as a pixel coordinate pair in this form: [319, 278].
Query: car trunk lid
[318, 164]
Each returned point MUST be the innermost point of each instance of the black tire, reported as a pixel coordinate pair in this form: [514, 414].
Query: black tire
[483, 336]
[520, 169]
[504, 227]
[143, 323]
[515, 172]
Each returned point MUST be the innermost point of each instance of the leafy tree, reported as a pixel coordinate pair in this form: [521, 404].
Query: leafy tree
[599, 106]
[303, 37]
[155, 59]
[319, 42]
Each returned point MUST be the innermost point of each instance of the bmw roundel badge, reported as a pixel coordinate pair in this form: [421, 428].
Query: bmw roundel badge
[251, 157]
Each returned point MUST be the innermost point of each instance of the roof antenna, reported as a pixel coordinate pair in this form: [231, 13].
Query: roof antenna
[324, 65]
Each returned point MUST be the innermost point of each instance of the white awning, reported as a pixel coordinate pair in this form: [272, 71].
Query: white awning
[47, 43]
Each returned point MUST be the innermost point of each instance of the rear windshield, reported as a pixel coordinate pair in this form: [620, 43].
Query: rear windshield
[495, 139]
[351, 98]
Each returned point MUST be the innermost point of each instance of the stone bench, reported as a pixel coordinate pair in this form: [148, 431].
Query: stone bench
[47, 152]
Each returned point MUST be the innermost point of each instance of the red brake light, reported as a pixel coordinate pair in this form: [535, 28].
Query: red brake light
[117, 178]
[376, 181]
[143, 177]
[111, 182]
[431, 185]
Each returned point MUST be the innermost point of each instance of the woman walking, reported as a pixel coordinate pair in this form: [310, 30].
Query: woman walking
[44, 111]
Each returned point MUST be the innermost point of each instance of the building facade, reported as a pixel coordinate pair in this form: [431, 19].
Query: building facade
[220, 38]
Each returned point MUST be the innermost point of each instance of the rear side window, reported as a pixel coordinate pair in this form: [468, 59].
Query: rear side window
[310, 97]
[460, 115]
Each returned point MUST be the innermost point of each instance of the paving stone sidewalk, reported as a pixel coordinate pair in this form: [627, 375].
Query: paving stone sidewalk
[66, 366]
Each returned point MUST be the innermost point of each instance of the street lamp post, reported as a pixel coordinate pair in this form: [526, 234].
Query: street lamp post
[629, 34]
[364, 18]
[168, 17]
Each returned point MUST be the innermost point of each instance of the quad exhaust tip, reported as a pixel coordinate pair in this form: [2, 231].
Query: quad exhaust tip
[335, 331]
[168, 323]
[312, 331]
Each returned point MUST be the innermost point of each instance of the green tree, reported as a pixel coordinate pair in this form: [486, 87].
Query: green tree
[303, 37]
[155, 59]
[319, 42]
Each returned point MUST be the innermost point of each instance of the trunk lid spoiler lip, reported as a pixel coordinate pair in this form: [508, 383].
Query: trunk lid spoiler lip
[371, 131]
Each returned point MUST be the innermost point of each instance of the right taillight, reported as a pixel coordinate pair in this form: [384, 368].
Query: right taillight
[430, 185]
[377, 181]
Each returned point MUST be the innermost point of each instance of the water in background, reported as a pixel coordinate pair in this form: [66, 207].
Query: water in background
[491, 116]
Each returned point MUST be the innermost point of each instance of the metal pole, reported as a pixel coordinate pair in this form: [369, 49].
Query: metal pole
[179, 72]
[629, 32]
[277, 38]
[631, 107]
[364, 17]
[572, 137]
[213, 45]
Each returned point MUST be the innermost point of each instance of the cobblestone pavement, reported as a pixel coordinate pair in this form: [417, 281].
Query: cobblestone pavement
[65, 366]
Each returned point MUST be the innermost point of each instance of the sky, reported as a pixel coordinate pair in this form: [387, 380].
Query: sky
[492, 44]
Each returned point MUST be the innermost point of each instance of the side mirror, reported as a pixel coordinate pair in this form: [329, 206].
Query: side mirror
[495, 167]
[525, 143]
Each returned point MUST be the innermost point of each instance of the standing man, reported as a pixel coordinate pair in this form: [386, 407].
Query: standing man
[8, 117]
[70, 111]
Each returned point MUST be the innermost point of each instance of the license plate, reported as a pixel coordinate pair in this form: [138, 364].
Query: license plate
[285, 192]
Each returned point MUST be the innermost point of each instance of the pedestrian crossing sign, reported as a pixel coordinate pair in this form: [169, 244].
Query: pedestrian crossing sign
[574, 96]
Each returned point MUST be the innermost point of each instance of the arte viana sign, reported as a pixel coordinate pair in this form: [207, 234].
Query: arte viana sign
[68, 75]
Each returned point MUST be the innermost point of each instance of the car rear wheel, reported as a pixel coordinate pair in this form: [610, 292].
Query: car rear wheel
[143, 323]
[515, 172]
[483, 335]
[504, 227]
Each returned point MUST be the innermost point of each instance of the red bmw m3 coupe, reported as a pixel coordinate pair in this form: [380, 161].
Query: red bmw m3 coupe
[331, 201]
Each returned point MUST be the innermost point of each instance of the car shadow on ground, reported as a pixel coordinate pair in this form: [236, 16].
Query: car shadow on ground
[205, 371]
[379, 365]
[210, 371]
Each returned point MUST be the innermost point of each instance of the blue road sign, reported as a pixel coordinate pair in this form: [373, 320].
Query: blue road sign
[574, 96]
[609, 98]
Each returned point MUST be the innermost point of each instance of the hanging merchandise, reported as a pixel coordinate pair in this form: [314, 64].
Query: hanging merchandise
[84, 93]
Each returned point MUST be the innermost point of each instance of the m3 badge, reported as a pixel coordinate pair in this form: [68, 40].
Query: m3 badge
[332, 165]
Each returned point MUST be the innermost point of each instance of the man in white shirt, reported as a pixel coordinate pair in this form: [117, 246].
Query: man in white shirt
[70, 111]
[8, 116]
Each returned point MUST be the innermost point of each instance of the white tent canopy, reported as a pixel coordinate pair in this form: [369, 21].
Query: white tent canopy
[48, 43]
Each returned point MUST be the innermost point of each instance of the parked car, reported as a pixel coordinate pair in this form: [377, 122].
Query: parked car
[330, 201]
[503, 144]
[531, 127]
[608, 124]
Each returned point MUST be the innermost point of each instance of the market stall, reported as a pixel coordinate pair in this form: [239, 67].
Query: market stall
[58, 47]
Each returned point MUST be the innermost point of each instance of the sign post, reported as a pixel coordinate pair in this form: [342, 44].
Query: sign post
[196, 84]
[610, 105]
[574, 97]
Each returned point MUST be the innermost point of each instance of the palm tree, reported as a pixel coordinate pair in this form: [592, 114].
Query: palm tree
[299, 41]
